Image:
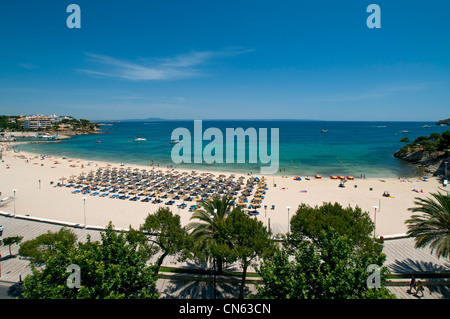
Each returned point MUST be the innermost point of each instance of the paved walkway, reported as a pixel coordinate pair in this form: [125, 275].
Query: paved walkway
[401, 258]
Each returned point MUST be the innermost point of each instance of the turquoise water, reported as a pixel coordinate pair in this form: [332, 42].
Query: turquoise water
[348, 148]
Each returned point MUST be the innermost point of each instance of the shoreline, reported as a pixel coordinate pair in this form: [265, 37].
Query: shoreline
[416, 171]
[31, 175]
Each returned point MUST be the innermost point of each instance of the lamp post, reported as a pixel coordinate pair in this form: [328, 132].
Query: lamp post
[445, 167]
[214, 231]
[14, 192]
[375, 222]
[288, 208]
[84, 209]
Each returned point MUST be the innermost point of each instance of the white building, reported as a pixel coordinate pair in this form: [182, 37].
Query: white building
[38, 121]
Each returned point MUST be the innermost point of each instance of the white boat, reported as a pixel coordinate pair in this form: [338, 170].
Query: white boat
[174, 141]
[405, 131]
[426, 126]
[42, 135]
[140, 139]
[323, 131]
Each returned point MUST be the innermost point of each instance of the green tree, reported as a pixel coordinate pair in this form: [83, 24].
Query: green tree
[434, 137]
[330, 268]
[432, 226]
[164, 229]
[84, 123]
[247, 239]
[308, 223]
[9, 241]
[35, 249]
[429, 146]
[207, 243]
[420, 139]
[444, 142]
[113, 268]
[405, 140]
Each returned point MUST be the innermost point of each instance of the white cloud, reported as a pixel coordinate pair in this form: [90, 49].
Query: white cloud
[169, 68]
[28, 66]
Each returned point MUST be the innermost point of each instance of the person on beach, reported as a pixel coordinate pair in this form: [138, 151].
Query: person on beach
[1, 230]
[412, 284]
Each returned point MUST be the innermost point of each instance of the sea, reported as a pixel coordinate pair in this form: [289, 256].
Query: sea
[346, 148]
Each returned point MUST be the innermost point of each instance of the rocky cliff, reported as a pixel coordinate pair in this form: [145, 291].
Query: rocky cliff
[432, 163]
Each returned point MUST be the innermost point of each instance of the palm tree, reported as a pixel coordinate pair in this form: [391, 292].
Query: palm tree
[204, 231]
[432, 227]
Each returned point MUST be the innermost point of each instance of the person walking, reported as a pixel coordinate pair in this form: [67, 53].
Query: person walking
[419, 289]
[412, 284]
[1, 230]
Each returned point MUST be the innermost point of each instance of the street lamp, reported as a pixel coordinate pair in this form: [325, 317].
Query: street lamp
[14, 192]
[84, 208]
[214, 231]
[445, 169]
[288, 208]
[375, 221]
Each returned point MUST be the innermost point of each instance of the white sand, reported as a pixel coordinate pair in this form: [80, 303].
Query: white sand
[59, 203]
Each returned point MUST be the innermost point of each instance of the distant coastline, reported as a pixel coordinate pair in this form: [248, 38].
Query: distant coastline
[445, 122]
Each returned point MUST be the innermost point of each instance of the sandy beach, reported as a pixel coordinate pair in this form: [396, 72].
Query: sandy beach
[35, 178]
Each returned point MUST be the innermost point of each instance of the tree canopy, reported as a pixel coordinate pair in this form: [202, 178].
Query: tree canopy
[36, 249]
[113, 268]
[163, 228]
[247, 239]
[308, 223]
[329, 268]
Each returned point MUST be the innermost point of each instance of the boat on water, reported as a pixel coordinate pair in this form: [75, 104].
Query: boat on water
[323, 131]
[174, 141]
[140, 139]
[43, 135]
[7, 139]
[404, 131]
[426, 126]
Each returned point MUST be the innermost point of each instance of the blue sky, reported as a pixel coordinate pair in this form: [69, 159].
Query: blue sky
[226, 59]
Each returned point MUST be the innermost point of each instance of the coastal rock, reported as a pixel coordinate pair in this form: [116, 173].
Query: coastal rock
[443, 122]
[432, 163]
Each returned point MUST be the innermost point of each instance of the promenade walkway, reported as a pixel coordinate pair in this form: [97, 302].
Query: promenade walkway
[401, 258]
